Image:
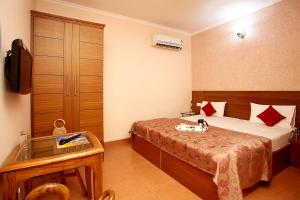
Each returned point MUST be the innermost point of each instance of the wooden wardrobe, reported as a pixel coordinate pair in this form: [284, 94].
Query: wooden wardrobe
[67, 74]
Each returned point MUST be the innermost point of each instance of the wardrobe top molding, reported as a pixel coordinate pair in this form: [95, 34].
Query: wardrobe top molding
[65, 19]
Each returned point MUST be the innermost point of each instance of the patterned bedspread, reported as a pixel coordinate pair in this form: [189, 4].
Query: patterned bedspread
[236, 160]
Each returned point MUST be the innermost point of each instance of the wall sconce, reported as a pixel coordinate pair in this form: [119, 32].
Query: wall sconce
[241, 34]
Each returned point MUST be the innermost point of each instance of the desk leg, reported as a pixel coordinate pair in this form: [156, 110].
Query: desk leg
[81, 183]
[28, 186]
[98, 178]
[9, 186]
[88, 181]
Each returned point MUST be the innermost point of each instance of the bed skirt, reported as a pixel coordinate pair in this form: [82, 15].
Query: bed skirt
[196, 180]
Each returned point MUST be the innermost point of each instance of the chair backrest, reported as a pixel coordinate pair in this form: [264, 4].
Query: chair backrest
[61, 191]
[108, 195]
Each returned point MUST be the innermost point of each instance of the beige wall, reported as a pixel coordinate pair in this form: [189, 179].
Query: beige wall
[267, 59]
[14, 108]
[140, 82]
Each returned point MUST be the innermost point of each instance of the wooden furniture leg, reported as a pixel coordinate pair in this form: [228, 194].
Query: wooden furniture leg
[97, 169]
[88, 180]
[85, 193]
[9, 186]
[28, 186]
[63, 180]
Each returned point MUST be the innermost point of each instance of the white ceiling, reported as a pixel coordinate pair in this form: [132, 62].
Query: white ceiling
[186, 15]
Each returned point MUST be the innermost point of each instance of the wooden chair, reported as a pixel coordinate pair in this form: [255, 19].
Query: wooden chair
[108, 194]
[62, 192]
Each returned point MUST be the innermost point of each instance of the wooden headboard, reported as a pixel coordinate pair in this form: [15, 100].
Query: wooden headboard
[238, 102]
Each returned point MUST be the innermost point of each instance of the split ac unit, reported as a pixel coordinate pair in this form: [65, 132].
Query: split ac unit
[167, 42]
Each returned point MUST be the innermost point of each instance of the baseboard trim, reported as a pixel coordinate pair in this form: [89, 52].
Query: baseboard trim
[117, 141]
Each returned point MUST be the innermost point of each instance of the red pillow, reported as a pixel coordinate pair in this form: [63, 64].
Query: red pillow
[208, 109]
[270, 116]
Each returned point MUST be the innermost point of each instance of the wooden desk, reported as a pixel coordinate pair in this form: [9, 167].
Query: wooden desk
[43, 157]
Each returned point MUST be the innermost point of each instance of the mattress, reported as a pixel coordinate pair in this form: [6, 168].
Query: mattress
[278, 135]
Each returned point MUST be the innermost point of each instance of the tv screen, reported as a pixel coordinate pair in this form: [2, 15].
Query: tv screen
[18, 68]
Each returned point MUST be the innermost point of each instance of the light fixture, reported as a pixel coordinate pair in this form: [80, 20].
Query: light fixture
[241, 34]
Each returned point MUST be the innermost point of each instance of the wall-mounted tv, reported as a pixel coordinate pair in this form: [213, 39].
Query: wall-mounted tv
[18, 67]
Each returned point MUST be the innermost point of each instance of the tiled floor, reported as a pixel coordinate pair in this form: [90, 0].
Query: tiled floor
[134, 178]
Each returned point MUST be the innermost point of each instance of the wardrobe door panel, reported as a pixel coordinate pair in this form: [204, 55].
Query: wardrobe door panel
[91, 51]
[48, 65]
[48, 28]
[47, 74]
[91, 80]
[91, 35]
[48, 103]
[90, 84]
[68, 87]
[47, 84]
[48, 46]
[90, 101]
[43, 123]
[91, 67]
[90, 118]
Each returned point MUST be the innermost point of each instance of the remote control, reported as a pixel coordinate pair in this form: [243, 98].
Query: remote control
[69, 139]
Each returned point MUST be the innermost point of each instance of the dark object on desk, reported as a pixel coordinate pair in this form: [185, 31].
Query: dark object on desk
[69, 139]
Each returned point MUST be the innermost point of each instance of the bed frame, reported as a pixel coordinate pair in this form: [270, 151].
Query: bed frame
[238, 106]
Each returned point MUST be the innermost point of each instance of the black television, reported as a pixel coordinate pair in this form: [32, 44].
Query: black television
[18, 67]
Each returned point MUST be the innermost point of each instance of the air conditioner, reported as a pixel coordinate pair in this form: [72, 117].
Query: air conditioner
[167, 42]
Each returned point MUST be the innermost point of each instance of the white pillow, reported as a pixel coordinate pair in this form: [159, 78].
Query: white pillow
[288, 111]
[218, 106]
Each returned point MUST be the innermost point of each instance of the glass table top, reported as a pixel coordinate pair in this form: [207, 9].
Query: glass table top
[47, 146]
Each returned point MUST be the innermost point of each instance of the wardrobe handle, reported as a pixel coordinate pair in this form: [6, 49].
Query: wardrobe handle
[75, 88]
[68, 86]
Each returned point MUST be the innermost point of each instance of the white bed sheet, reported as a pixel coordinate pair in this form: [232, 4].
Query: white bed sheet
[278, 135]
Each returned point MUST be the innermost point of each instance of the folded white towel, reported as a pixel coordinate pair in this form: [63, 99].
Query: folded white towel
[186, 127]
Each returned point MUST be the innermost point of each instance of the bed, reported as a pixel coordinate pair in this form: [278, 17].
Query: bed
[237, 108]
[278, 135]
